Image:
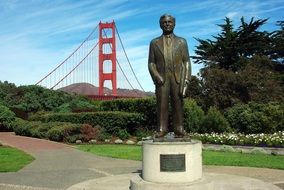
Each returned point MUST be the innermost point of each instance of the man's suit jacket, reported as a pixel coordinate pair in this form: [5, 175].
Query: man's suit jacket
[180, 58]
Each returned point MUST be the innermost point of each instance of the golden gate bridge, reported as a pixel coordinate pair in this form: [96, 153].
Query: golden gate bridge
[95, 62]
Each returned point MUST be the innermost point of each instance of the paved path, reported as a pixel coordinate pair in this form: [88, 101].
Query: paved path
[60, 166]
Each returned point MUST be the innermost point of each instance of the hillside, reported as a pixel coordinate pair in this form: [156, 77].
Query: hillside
[89, 89]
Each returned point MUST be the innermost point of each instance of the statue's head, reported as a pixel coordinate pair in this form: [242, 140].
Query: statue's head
[167, 23]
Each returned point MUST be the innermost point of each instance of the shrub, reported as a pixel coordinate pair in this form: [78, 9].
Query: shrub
[274, 117]
[69, 129]
[64, 108]
[103, 135]
[88, 132]
[214, 121]
[111, 121]
[142, 132]
[78, 104]
[6, 118]
[73, 138]
[36, 130]
[21, 127]
[256, 118]
[61, 131]
[55, 134]
[242, 119]
[56, 131]
[193, 116]
[123, 134]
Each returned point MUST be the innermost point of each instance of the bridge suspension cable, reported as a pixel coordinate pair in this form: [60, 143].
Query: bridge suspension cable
[128, 59]
[76, 66]
[88, 38]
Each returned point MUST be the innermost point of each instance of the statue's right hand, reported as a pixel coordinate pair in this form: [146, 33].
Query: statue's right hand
[159, 81]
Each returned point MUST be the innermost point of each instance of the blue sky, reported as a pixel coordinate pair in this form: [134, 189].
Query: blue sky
[36, 35]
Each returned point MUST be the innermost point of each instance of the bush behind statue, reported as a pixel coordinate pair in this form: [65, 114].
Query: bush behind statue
[214, 121]
[145, 106]
[195, 119]
[193, 116]
[256, 118]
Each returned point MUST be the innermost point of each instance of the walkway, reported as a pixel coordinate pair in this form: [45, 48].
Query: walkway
[59, 166]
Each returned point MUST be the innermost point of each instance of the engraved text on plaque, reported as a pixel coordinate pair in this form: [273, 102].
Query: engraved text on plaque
[172, 162]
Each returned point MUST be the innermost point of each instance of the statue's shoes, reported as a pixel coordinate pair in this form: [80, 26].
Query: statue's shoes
[161, 134]
[179, 134]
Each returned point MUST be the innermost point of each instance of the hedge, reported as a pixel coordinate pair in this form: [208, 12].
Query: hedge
[128, 114]
[113, 122]
[145, 106]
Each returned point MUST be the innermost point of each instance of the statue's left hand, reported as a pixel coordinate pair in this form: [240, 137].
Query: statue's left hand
[183, 89]
[182, 92]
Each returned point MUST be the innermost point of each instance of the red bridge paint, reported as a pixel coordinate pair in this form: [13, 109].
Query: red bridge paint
[110, 56]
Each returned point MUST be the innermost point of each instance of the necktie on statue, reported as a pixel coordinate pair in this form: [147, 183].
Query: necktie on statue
[169, 40]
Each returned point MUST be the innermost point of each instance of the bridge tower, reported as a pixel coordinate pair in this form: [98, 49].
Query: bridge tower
[107, 56]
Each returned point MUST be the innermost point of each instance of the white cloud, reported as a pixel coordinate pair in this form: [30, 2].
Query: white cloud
[231, 15]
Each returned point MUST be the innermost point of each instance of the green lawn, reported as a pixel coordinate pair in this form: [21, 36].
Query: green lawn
[132, 152]
[239, 159]
[12, 160]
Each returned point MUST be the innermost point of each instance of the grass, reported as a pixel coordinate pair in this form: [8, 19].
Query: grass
[239, 159]
[12, 160]
[132, 152]
[129, 152]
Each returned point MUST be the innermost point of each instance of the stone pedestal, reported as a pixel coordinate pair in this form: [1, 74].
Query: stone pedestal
[169, 162]
[172, 162]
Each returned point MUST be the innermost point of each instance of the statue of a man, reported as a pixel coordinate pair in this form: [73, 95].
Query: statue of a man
[170, 69]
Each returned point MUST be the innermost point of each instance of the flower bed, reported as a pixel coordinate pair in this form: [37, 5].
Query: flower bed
[269, 140]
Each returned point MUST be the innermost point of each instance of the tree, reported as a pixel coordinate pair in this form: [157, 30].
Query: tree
[241, 65]
[260, 80]
[278, 50]
[231, 46]
[251, 41]
[278, 44]
[223, 88]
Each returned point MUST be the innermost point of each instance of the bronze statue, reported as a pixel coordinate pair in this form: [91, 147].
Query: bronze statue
[170, 69]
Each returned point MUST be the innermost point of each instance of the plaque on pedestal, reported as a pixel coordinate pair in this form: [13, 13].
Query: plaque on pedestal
[172, 162]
